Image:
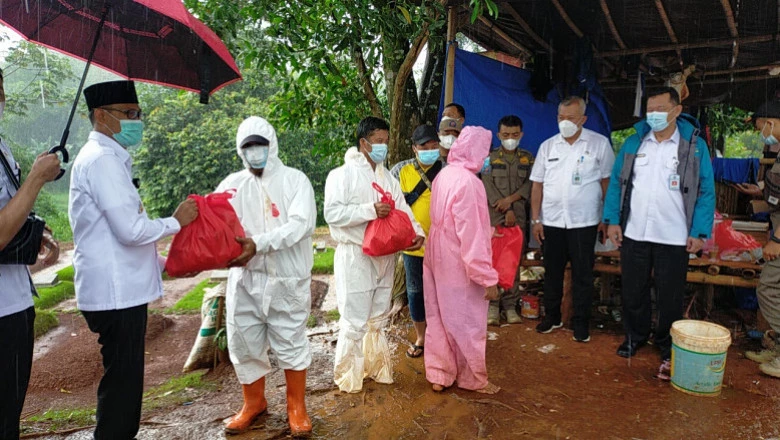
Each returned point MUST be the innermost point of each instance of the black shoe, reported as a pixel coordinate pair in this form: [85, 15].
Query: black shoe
[581, 334]
[547, 325]
[627, 349]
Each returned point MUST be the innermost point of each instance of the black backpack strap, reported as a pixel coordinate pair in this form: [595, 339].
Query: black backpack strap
[425, 182]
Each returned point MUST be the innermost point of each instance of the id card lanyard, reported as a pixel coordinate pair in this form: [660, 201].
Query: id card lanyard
[674, 178]
[576, 179]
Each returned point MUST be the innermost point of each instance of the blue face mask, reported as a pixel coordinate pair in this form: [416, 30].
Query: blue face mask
[378, 152]
[428, 157]
[771, 139]
[657, 120]
[256, 156]
[485, 166]
[131, 132]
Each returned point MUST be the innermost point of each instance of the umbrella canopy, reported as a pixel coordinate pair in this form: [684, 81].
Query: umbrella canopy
[156, 41]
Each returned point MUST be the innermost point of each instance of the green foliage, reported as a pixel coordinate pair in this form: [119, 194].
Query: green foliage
[619, 137]
[323, 262]
[45, 320]
[725, 120]
[66, 274]
[49, 297]
[191, 302]
[332, 315]
[57, 419]
[743, 144]
[176, 391]
[311, 322]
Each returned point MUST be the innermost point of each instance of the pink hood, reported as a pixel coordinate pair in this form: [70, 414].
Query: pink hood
[471, 148]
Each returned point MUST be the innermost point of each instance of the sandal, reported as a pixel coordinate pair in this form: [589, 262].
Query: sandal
[415, 351]
[665, 371]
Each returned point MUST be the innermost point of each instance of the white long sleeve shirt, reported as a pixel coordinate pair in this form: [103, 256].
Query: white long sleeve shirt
[115, 258]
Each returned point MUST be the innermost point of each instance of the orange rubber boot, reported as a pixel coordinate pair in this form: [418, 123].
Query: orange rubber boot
[300, 425]
[254, 405]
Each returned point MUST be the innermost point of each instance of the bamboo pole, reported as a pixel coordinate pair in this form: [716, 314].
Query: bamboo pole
[669, 30]
[500, 32]
[705, 82]
[527, 28]
[611, 24]
[449, 75]
[732, 30]
[680, 46]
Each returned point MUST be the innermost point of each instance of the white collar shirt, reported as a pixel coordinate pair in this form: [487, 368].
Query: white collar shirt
[115, 258]
[15, 289]
[657, 213]
[567, 203]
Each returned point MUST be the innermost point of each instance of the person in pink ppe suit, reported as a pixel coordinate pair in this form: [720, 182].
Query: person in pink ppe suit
[458, 276]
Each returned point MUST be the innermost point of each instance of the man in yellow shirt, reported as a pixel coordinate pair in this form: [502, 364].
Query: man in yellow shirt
[415, 177]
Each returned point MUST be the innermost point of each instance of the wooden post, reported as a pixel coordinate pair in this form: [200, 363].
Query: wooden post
[449, 80]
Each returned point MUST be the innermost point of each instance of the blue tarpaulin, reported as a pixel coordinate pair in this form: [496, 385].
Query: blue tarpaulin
[489, 89]
[735, 170]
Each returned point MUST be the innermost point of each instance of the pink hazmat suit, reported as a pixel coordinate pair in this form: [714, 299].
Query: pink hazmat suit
[458, 267]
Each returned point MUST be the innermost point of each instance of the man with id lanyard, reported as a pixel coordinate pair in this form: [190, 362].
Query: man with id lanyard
[570, 177]
[659, 208]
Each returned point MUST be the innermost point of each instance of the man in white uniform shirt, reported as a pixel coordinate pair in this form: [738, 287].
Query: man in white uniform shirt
[17, 314]
[570, 177]
[659, 208]
[115, 260]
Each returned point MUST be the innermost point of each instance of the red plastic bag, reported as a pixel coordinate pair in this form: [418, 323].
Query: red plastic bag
[209, 242]
[729, 240]
[507, 248]
[394, 233]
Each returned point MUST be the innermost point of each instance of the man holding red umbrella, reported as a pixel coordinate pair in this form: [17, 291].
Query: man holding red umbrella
[115, 260]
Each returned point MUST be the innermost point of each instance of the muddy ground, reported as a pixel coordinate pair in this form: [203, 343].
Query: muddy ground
[576, 391]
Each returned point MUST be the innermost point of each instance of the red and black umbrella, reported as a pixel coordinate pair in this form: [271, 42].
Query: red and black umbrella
[155, 41]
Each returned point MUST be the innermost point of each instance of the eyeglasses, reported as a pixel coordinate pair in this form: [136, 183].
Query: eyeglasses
[131, 114]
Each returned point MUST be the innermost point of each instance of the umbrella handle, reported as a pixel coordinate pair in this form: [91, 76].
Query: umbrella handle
[65, 157]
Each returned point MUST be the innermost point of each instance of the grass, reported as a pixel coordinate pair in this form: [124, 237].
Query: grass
[58, 419]
[66, 274]
[191, 302]
[45, 320]
[49, 297]
[175, 391]
[311, 322]
[323, 262]
[332, 315]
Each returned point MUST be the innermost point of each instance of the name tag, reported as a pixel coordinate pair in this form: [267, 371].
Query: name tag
[552, 159]
[674, 182]
[772, 200]
[576, 179]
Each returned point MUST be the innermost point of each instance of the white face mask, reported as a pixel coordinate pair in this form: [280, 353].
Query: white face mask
[510, 144]
[256, 156]
[568, 128]
[447, 141]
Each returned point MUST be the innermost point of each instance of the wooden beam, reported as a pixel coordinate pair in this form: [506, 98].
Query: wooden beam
[500, 32]
[732, 30]
[766, 67]
[669, 30]
[678, 46]
[526, 27]
[705, 82]
[611, 24]
[567, 19]
[452, 45]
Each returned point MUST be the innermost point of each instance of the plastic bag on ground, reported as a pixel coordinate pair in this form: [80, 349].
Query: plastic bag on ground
[202, 353]
[732, 242]
[209, 242]
[507, 246]
[386, 236]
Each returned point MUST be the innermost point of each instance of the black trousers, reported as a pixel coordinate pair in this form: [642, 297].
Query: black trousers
[16, 353]
[560, 247]
[122, 336]
[666, 267]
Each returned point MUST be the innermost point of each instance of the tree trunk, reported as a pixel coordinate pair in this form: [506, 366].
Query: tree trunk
[433, 76]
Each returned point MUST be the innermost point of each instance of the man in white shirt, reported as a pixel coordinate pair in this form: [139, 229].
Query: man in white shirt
[116, 262]
[659, 208]
[17, 314]
[570, 177]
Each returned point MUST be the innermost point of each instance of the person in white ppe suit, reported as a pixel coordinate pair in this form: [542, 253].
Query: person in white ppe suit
[363, 283]
[269, 298]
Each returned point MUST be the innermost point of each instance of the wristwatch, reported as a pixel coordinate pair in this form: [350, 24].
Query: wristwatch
[772, 236]
[536, 222]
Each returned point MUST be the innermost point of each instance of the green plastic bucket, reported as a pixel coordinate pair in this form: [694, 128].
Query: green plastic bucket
[699, 356]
